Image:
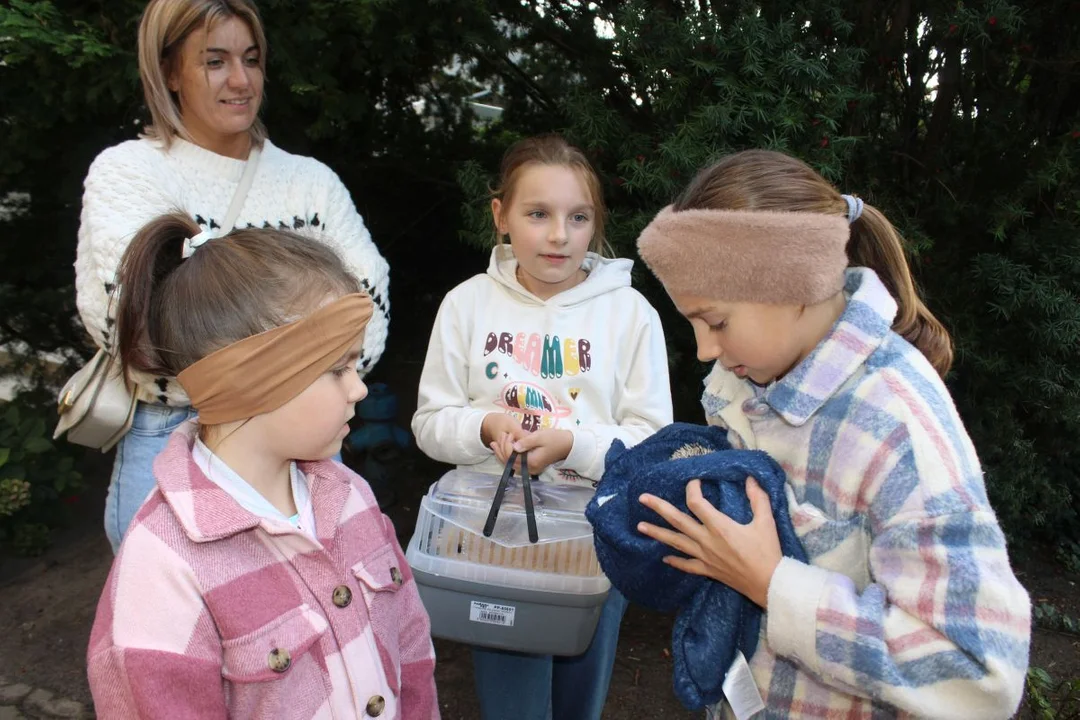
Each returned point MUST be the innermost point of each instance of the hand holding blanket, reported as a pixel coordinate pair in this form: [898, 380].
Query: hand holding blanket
[712, 621]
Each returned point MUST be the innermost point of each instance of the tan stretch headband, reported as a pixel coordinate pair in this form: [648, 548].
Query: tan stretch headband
[263, 372]
[779, 258]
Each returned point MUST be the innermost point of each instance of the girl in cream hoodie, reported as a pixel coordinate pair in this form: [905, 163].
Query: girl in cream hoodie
[551, 352]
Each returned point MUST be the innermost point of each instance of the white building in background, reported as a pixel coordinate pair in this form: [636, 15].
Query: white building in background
[483, 113]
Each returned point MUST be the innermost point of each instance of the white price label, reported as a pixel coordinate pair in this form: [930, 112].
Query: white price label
[491, 613]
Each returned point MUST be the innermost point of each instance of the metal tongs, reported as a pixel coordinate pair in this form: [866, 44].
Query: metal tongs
[526, 487]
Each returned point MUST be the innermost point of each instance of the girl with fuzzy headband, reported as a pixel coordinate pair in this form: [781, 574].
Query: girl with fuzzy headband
[827, 359]
[259, 579]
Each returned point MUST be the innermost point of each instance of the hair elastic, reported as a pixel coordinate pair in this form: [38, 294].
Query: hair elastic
[194, 242]
[854, 207]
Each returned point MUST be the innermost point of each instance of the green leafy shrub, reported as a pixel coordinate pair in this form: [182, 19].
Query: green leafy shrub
[1047, 699]
[38, 480]
[957, 120]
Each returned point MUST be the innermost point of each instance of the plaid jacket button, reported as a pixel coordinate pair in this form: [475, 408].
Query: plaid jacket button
[342, 596]
[279, 660]
[375, 706]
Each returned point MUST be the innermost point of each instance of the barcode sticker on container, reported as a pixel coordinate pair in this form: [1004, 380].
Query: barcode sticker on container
[491, 613]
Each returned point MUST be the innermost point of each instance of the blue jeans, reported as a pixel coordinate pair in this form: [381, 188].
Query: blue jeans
[516, 686]
[133, 470]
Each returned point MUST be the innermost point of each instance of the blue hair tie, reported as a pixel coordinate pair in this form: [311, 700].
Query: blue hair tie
[854, 207]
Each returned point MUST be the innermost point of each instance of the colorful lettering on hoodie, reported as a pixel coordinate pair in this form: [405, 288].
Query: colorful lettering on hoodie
[548, 357]
[591, 360]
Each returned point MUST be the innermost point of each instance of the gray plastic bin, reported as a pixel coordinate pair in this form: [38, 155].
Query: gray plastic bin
[503, 591]
[510, 619]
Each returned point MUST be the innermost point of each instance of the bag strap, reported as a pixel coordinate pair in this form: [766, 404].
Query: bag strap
[242, 189]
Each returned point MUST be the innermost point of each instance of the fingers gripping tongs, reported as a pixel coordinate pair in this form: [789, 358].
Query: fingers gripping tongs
[526, 488]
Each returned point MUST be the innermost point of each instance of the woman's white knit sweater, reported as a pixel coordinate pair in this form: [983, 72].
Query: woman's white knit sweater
[132, 183]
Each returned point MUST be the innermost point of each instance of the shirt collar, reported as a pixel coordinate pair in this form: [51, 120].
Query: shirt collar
[864, 324]
[207, 512]
[218, 472]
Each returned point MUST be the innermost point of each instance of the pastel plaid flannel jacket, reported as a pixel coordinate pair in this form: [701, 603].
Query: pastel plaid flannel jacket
[909, 606]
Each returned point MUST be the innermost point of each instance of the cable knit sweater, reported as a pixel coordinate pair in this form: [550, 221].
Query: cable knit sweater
[131, 183]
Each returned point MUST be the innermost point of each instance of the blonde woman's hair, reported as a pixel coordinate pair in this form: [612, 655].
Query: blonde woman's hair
[552, 150]
[164, 27]
[767, 180]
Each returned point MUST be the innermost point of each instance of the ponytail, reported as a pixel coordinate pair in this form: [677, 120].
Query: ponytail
[153, 255]
[174, 312]
[875, 244]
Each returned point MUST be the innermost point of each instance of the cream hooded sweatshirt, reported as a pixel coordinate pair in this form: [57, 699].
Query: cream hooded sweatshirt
[591, 360]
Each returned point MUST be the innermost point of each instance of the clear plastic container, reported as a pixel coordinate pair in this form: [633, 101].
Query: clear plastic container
[449, 538]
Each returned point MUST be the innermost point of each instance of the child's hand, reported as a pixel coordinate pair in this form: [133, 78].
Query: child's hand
[496, 426]
[743, 557]
[499, 431]
[544, 447]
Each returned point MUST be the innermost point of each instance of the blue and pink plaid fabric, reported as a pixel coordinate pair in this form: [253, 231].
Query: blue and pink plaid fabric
[909, 606]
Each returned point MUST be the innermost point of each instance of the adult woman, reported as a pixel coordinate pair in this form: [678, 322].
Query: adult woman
[202, 64]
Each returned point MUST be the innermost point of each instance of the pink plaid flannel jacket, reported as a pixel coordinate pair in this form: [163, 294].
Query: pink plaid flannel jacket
[213, 612]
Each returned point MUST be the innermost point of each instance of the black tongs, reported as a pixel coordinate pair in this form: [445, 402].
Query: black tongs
[526, 487]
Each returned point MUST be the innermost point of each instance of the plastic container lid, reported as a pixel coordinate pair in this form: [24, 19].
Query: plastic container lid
[464, 497]
[449, 538]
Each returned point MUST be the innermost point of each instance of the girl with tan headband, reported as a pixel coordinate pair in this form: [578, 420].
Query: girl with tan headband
[827, 359]
[259, 579]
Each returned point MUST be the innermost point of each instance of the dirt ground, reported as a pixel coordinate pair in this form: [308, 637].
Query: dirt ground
[1056, 652]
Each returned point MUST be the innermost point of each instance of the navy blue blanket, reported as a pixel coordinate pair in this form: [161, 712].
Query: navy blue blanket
[712, 621]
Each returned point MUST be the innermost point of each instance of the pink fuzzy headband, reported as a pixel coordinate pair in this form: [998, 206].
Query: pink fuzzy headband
[779, 258]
